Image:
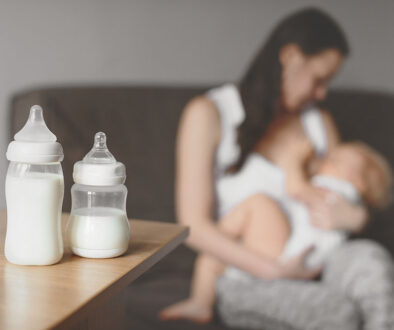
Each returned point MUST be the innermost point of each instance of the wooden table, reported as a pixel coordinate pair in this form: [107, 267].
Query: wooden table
[80, 293]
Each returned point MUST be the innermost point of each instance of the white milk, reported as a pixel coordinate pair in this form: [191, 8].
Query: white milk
[34, 204]
[100, 232]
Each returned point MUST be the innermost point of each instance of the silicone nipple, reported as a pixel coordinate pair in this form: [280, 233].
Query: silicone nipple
[35, 129]
[99, 153]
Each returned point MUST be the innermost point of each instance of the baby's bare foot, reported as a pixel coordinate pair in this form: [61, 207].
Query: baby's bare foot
[187, 310]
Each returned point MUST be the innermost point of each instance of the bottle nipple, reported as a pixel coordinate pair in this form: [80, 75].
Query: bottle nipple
[99, 153]
[35, 129]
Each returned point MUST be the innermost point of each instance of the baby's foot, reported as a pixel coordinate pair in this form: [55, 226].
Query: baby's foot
[187, 310]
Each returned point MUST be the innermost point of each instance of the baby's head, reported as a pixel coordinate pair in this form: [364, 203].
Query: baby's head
[364, 167]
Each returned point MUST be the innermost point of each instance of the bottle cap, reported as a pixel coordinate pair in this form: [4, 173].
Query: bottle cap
[35, 143]
[99, 167]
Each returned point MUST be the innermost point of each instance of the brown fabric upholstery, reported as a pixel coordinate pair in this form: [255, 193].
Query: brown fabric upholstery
[141, 125]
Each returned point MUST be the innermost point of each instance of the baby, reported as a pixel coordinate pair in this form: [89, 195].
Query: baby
[352, 170]
[282, 229]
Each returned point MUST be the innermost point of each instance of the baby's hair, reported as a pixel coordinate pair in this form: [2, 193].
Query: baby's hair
[377, 198]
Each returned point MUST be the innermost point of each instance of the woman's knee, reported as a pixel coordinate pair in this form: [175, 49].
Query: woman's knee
[369, 248]
[375, 257]
[363, 249]
[347, 317]
[357, 257]
[266, 304]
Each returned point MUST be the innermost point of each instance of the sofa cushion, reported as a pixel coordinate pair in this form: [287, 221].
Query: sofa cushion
[140, 123]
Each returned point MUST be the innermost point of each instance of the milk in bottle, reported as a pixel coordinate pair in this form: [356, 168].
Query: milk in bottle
[98, 226]
[34, 195]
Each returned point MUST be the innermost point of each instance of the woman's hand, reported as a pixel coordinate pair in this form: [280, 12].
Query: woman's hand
[331, 211]
[295, 268]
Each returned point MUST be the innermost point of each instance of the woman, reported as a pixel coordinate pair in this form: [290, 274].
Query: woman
[218, 133]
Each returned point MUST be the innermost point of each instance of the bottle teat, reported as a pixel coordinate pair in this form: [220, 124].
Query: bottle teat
[99, 167]
[99, 153]
[35, 129]
[35, 143]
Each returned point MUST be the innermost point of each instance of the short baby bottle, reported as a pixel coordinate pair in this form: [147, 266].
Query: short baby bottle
[34, 195]
[98, 226]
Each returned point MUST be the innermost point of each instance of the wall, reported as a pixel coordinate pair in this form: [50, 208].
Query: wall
[167, 42]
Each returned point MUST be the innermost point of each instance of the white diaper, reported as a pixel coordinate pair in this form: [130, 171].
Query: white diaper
[258, 175]
[304, 234]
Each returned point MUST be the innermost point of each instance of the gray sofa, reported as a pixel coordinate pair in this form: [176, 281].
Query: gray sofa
[141, 125]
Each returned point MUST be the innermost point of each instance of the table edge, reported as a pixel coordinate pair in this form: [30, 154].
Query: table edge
[124, 281]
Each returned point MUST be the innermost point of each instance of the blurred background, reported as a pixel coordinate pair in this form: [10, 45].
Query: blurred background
[128, 67]
[168, 42]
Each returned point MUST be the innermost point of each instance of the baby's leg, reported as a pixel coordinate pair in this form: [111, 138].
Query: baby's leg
[268, 228]
[262, 226]
[199, 306]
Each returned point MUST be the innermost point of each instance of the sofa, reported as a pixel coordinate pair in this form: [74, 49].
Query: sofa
[141, 124]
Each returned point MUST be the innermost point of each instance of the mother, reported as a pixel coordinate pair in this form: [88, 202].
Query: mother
[217, 134]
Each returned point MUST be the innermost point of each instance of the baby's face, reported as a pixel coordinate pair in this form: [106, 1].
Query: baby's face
[362, 167]
[347, 163]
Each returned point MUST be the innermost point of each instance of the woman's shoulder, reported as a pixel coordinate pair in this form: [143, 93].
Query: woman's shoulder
[201, 118]
[202, 109]
[214, 113]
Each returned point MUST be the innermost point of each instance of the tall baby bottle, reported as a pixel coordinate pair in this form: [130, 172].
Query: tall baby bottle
[98, 226]
[34, 195]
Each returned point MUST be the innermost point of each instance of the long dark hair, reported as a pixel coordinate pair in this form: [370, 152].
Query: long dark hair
[313, 31]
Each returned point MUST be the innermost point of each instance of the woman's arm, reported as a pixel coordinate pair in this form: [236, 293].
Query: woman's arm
[338, 213]
[197, 141]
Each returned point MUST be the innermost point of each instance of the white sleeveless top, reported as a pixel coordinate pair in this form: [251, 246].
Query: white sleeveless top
[258, 174]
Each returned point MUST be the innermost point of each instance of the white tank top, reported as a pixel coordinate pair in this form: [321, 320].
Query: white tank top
[258, 174]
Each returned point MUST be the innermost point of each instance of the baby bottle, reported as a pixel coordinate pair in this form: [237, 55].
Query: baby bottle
[34, 195]
[98, 226]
